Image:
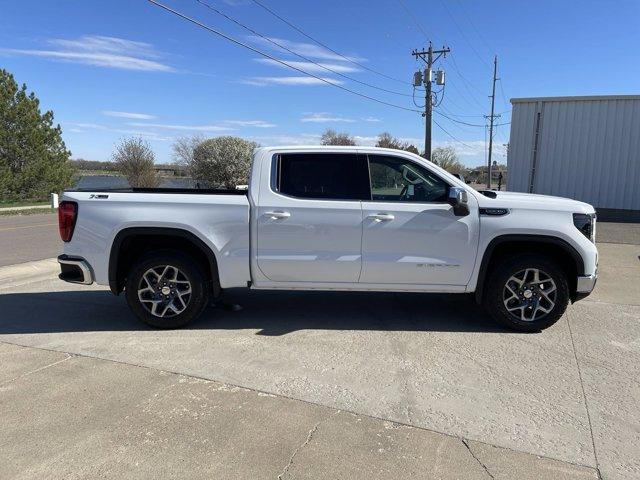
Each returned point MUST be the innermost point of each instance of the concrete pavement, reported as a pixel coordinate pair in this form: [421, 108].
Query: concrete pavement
[67, 416]
[435, 363]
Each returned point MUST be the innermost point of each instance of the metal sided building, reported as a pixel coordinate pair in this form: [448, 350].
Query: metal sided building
[586, 148]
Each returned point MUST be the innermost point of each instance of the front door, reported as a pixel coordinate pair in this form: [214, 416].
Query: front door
[410, 234]
[310, 220]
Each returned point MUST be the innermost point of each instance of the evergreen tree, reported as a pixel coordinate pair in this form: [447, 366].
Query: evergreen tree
[34, 160]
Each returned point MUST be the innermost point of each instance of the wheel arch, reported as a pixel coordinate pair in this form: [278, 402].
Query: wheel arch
[130, 243]
[564, 253]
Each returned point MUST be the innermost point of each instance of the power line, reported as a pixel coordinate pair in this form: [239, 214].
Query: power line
[461, 30]
[323, 45]
[450, 135]
[504, 98]
[271, 57]
[459, 121]
[473, 25]
[458, 115]
[414, 19]
[270, 40]
[466, 84]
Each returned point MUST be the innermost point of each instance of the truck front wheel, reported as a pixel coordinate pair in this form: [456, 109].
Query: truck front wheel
[166, 289]
[527, 293]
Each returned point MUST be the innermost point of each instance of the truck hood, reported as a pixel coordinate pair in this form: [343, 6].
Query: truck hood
[533, 201]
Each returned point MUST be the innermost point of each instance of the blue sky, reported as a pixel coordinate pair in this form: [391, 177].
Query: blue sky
[112, 69]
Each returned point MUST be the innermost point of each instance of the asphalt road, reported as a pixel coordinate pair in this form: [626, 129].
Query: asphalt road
[28, 237]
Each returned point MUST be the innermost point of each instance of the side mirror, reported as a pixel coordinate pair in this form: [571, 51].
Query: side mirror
[459, 201]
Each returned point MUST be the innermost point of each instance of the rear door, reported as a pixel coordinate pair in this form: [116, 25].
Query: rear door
[410, 233]
[309, 222]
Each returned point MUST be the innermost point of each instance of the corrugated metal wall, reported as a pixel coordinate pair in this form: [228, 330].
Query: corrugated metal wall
[586, 148]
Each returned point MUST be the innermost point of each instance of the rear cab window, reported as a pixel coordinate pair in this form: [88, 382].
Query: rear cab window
[326, 176]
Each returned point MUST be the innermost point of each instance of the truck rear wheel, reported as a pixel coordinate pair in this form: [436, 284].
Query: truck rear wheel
[527, 293]
[166, 289]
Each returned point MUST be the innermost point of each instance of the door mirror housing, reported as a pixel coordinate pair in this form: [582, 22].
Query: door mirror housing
[459, 200]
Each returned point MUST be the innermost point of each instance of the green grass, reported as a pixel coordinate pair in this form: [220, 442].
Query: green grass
[30, 211]
[23, 203]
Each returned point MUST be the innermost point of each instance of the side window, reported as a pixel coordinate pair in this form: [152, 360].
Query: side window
[331, 176]
[395, 179]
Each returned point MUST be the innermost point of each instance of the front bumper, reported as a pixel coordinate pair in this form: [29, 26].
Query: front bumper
[586, 283]
[75, 270]
[584, 286]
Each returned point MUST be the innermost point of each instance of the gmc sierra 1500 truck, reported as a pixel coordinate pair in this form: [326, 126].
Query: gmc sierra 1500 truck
[332, 218]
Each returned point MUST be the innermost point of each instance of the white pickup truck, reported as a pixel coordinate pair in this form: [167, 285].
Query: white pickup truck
[332, 218]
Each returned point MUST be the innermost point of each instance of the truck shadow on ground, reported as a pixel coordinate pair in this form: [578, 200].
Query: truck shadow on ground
[270, 312]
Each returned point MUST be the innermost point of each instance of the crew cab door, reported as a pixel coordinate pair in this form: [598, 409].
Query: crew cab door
[309, 220]
[410, 233]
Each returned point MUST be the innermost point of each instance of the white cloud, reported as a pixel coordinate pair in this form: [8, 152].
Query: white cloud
[306, 49]
[471, 148]
[263, 81]
[192, 128]
[325, 118]
[89, 126]
[301, 139]
[371, 119]
[101, 51]
[309, 66]
[250, 123]
[130, 115]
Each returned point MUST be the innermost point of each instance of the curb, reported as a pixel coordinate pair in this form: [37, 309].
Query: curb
[26, 207]
[23, 273]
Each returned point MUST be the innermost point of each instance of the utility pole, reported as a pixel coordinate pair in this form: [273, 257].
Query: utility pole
[428, 57]
[491, 118]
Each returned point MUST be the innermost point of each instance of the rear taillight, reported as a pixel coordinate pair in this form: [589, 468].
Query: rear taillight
[67, 214]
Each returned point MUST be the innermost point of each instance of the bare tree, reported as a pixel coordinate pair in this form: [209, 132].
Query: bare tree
[183, 148]
[134, 159]
[331, 137]
[223, 161]
[447, 158]
[386, 140]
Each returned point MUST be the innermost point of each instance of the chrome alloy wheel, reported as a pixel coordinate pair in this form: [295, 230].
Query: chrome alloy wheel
[529, 295]
[164, 291]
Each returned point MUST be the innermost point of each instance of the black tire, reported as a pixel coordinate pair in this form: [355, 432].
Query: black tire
[497, 293]
[191, 305]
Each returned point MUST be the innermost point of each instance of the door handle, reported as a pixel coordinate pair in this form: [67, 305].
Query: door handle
[277, 215]
[382, 217]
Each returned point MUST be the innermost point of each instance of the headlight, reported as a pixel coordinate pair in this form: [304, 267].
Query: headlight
[586, 223]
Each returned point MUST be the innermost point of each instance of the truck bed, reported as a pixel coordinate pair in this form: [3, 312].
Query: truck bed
[220, 218]
[193, 191]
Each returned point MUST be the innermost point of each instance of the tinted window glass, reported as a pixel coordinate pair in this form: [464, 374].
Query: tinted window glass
[335, 176]
[395, 179]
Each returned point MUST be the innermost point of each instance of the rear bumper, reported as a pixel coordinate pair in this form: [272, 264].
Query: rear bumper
[75, 270]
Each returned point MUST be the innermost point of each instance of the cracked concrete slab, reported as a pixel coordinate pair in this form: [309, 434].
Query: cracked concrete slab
[435, 362]
[380, 450]
[432, 362]
[608, 346]
[91, 418]
[17, 362]
[519, 465]
[88, 418]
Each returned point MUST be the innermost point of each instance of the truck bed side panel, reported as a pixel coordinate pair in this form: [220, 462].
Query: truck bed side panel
[220, 221]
